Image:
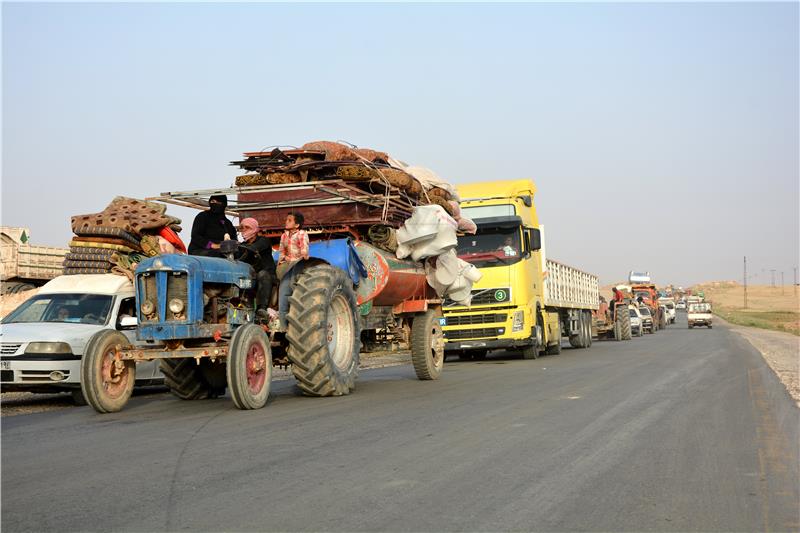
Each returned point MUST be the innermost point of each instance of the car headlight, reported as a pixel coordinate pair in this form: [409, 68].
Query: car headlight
[148, 307]
[48, 347]
[176, 305]
[518, 322]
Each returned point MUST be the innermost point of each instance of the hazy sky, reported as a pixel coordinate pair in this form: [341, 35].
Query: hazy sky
[661, 137]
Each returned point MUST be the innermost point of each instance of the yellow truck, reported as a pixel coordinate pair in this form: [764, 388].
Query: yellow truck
[524, 301]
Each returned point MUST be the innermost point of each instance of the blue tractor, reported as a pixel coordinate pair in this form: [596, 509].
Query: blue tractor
[197, 316]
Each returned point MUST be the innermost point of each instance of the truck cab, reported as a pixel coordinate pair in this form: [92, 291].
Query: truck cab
[507, 310]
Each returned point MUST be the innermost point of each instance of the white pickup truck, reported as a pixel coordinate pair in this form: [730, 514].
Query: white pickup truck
[699, 314]
[42, 340]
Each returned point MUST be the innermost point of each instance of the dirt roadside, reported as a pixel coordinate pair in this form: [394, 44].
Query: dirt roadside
[781, 351]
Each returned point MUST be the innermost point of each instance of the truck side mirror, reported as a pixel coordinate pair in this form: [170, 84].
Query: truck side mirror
[535, 238]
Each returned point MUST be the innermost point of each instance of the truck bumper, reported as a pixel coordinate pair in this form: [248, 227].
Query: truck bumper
[489, 344]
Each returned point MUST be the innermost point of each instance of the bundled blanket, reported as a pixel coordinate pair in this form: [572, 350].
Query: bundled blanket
[118, 237]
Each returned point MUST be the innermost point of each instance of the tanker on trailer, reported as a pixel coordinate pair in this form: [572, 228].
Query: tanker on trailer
[524, 301]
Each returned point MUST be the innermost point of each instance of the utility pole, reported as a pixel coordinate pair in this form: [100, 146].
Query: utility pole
[795, 281]
[745, 282]
[782, 283]
[772, 278]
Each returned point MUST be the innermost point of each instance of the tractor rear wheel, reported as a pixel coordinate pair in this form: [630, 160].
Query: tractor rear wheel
[626, 327]
[324, 332]
[185, 379]
[249, 367]
[106, 383]
[427, 345]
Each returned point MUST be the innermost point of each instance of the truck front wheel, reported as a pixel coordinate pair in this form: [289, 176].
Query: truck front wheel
[427, 345]
[324, 332]
[249, 367]
[106, 383]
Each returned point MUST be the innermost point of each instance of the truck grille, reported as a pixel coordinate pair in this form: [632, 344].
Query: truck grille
[9, 349]
[485, 296]
[478, 333]
[466, 320]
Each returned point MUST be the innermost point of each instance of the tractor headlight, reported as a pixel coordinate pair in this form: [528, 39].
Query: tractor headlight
[148, 307]
[176, 305]
[245, 283]
[519, 321]
[48, 347]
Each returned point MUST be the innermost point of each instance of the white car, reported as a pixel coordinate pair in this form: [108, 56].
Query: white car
[681, 305]
[647, 319]
[637, 325]
[42, 340]
[699, 314]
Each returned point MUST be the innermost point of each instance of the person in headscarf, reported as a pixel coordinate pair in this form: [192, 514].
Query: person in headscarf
[210, 227]
[256, 250]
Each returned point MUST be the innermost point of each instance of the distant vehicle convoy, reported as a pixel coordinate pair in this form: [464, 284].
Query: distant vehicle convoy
[44, 339]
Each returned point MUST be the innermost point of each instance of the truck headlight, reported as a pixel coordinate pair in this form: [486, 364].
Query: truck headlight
[148, 307]
[176, 305]
[48, 347]
[518, 322]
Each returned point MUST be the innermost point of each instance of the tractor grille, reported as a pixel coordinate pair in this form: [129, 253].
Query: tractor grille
[149, 292]
[477, 333]
[177, 288]
[9, 349]
[466, 320]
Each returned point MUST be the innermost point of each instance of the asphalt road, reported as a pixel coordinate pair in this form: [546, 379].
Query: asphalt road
[684, 430]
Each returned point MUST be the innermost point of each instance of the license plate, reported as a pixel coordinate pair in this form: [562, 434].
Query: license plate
[5, 365]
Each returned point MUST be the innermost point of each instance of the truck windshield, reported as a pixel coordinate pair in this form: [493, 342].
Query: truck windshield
[74, 308]
[491, 247]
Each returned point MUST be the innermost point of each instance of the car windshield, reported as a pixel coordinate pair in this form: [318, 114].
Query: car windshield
[642, 294]
[644, 311]
[491, 247]
[700, 308]
[72, 308]
[633, 313]
[670, 306]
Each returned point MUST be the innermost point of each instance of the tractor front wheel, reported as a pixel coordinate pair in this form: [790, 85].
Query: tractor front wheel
[249, 367]
[106, 383]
